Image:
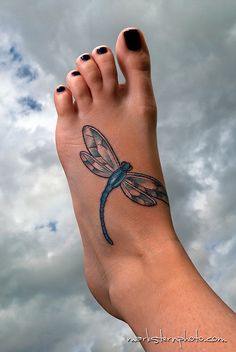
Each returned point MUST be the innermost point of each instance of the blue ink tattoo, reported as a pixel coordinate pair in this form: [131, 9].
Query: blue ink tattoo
[102, 161]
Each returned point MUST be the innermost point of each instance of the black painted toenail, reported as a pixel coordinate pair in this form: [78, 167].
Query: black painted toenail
[61, 89]
[102, 50]
[85, 57]
[75, 73]
[132, 39]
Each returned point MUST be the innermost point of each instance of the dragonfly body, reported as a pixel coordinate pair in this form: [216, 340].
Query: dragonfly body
[101, 160]
[113, 182]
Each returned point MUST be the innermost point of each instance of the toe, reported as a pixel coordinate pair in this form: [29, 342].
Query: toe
[104, 59]
[90, 72]
[79, 89]
[134, 60]
[63, 101]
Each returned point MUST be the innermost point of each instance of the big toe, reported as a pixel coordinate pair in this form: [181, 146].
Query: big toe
[134, 60]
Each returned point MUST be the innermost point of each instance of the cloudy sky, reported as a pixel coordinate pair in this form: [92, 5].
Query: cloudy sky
[44, 302]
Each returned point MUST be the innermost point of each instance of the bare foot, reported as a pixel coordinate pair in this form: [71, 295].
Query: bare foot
[100, 124]
[134, 264]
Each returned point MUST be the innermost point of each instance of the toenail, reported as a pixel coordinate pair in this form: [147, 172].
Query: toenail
[75, 73]
[61, 89]
[85, 57]
[101, 50]
[132, 39]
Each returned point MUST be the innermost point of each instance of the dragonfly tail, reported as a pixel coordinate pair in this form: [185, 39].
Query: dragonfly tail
[102, 207]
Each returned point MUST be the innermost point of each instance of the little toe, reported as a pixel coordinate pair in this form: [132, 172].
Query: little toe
[79, 90]
[90, 72]
[133, 57]
[63, 101]
[104, 59]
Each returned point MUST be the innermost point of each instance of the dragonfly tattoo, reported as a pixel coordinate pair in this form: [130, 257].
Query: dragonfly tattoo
[101, 159]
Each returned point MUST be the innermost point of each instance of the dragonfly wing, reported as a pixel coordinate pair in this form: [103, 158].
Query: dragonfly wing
[136, 194]
[94, 165]
[100, 148]
[148, 185]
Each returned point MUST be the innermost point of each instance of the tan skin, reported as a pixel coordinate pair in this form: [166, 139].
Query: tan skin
[146, 278]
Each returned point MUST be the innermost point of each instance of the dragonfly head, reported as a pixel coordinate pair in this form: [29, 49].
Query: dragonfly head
[125, 166]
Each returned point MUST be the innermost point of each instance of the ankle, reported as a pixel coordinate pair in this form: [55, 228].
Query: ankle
[135, 278]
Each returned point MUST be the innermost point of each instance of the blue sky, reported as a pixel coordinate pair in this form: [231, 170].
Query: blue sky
[42, 289]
